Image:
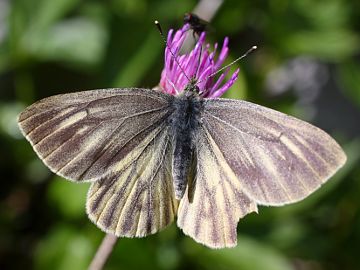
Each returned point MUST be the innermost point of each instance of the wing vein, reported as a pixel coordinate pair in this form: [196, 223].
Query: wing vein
[275, 139]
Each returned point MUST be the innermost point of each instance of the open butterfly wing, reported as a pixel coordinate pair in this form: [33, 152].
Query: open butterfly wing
[214, 202]
[137, 198]
[81, 136]
[249, 155]
[118, 137]
[277, 159]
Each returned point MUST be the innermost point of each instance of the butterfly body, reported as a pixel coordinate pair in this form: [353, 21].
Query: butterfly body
[184, 123]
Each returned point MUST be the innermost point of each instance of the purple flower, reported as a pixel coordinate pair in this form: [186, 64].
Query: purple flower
[198, 65]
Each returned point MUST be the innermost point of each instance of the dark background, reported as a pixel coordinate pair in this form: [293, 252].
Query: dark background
[307, 65]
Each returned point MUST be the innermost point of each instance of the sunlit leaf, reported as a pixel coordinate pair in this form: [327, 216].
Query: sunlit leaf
[332, 45]
[68, 197]
[8, 116]
[77, 41]
[49, 12]
[249, 254]
[63, 248]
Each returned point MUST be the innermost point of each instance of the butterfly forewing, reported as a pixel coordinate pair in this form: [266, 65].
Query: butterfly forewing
[81, 136]
[277, 159]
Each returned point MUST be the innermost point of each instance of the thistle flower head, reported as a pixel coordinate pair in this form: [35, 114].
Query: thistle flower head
[198, 65]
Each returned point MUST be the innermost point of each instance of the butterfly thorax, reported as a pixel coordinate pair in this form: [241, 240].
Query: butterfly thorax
[184, 122]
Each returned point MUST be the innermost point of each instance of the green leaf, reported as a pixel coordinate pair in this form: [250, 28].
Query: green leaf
[249, 254]
[8, 119]
[78, 41]
[31, 19]
[49, 12]
[327, 14]
[68, 197]
[140, 63]
[62, 249]
[350, 77]
[332, 45]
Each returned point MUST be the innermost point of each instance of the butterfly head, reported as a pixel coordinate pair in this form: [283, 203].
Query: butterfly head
[191, 88]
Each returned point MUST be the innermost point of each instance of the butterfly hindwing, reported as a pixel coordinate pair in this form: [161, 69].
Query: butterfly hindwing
[277, 159]
[137, 198]
[80, 136]
[214, 202]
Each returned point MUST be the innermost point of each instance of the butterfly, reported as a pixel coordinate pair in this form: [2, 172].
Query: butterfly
[152, 157]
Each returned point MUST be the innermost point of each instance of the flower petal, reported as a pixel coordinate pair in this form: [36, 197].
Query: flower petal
[199, 64]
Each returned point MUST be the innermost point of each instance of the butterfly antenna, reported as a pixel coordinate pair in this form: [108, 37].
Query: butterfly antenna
[253, 48]
[167, 46]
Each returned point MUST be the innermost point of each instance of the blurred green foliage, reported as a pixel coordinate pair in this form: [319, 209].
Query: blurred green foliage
[58, 46]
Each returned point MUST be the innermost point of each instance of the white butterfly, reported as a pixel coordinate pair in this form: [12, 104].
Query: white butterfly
[152, 156]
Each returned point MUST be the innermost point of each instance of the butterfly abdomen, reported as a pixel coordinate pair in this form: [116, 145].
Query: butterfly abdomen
[183, 122]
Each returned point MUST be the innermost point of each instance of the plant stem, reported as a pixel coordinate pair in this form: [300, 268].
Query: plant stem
[103, 252]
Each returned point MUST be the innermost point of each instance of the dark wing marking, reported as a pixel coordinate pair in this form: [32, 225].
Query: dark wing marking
[137, 198]
[209, 213]
[81, 136]
[277, 158]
